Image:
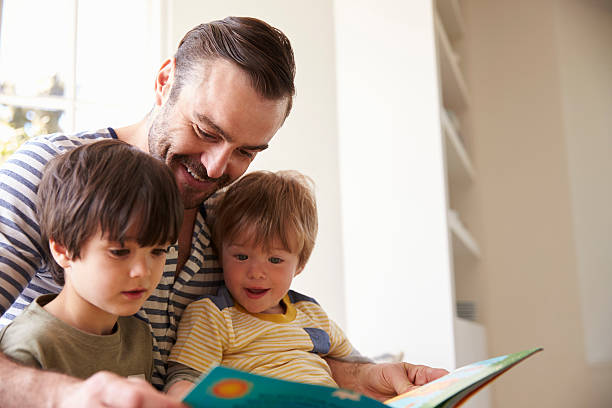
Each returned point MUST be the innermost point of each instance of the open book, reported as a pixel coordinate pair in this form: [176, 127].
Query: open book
[228, 388]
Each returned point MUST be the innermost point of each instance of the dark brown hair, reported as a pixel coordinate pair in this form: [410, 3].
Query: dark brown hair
[106, 186]
[263, 206]
[261, 50]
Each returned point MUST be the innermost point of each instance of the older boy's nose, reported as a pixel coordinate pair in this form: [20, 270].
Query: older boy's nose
[140, 268]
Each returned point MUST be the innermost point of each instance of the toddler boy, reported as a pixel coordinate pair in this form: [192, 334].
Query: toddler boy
[265, 228]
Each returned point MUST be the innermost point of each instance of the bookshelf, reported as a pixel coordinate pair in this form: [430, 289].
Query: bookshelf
[461, 175]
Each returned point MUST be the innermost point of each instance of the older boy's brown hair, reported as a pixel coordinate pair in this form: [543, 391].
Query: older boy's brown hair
[267, 206]
[106, 186]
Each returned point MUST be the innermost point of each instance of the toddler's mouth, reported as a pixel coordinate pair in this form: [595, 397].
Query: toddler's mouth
[255, 293]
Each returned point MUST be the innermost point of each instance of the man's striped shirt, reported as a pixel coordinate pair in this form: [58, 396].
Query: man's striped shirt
[23, 277]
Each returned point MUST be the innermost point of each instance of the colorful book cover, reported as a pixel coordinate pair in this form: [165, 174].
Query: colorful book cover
[228, 388]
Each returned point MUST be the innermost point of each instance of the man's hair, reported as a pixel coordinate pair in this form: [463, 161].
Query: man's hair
[262, 51]
[263, 206]
[107, 186]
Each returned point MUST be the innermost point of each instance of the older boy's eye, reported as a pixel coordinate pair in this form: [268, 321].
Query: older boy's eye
[275, 260]
[120, 252]
[159, 251]
[241, 257]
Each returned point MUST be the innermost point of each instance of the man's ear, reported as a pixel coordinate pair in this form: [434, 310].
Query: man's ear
[164, 81]
[60, 254]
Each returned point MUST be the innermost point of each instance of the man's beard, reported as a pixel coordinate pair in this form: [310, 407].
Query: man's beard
[160, 146]
[192, 198]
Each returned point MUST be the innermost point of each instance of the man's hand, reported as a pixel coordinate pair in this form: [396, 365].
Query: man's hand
[105, 389]
[22, 386]
[384, 381]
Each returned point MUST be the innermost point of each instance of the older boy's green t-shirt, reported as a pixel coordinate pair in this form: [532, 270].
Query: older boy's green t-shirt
[39, 339]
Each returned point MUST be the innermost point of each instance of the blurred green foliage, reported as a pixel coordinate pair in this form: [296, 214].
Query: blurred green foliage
[20, 123]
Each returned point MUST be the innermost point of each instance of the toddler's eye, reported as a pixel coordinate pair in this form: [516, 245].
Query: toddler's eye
[275, 260]
[241, 257]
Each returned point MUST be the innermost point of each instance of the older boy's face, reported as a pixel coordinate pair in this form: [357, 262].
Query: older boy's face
[256, 278]
[212, 132]
[110, 279]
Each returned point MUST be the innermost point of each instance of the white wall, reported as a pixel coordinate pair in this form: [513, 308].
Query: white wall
[399, 295]
[540, 92]
[308, 140]
[584, 41]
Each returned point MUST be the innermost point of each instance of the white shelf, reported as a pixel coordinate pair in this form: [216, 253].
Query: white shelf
[458, 163]
[471, 346]
[455, 95]
[464, 245]
[470, 342]
[450, 14]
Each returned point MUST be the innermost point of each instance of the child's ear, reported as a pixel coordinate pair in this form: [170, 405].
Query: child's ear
[298, 270]
[60, 254]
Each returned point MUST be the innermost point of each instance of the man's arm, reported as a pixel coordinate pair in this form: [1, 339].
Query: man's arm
[28, 387]
[382, 381]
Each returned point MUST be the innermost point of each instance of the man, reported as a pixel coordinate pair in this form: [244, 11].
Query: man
[218, 103]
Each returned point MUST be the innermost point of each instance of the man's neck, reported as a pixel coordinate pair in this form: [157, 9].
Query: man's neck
[185, 237]
[135, 134]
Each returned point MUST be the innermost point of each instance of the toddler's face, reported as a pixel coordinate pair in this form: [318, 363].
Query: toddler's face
[115, 279]
[256, 278]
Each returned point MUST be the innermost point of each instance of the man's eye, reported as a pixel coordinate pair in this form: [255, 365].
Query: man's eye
[241, 257]
[120, 252]
[275, 260]
[246, 153]
[203, 135]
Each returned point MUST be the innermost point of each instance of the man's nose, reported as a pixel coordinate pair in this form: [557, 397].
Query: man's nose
[216, 160]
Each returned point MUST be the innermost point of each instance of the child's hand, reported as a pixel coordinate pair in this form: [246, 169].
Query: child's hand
[179, 389]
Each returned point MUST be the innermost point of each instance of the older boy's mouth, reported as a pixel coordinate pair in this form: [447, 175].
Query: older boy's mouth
[134, 294]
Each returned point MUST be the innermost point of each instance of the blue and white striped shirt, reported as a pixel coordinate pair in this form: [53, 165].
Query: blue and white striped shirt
[21, 277]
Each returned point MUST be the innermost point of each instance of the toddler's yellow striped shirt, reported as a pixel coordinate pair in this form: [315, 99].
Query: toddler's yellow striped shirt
[216, 330]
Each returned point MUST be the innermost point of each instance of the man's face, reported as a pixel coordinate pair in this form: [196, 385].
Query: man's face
[210, 134]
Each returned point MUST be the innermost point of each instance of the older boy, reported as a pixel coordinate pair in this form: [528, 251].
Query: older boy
[99, 207]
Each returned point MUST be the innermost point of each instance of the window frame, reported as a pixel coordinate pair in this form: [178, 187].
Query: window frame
[69, 103]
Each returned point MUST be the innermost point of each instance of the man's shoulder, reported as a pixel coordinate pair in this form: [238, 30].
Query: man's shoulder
[64, 141]
[36, 152]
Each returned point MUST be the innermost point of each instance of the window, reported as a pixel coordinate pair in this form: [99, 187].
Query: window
[70, 65]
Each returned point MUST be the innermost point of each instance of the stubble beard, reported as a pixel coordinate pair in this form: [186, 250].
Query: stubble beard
[160, 146]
